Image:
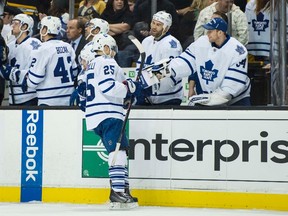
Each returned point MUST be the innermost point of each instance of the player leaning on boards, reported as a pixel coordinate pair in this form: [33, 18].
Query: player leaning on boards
[53, 66]
[19, 59]
[220, 64]
[162, 45]
[101, 97]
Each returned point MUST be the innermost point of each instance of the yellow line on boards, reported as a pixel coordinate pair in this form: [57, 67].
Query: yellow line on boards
[10, 194]
[173, 198]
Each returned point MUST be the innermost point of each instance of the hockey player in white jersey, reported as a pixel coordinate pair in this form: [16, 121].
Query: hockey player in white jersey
[96, 26]
[53, 66]
[220, 64]
[19, 58]
[162, 45]
[106, 88]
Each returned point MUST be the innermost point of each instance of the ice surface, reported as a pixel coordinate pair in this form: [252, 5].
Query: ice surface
[31, 209]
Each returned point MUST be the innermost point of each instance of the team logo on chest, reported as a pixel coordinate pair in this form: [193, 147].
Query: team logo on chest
[260, 24]
[35, 45]
[207, 72]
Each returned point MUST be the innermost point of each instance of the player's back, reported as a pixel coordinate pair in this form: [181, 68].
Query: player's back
[20, 56]
[51, 72]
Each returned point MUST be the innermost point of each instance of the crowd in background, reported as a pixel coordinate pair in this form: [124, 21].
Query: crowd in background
[127, 17]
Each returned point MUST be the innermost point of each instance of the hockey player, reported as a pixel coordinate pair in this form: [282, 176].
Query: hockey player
[162, 45]
[220, 64]
[103, 93]
[96, 26]
[53, 67]
[20, 57]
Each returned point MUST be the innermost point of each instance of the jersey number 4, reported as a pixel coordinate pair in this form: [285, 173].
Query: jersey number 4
[61, 70]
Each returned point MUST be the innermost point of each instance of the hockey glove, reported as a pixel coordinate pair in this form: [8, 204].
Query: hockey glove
[5, 71]
[218, 97]
[74, 98]
[24, 84]
[160, 68]
[133, 88]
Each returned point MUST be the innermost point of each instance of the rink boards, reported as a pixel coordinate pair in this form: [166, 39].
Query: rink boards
[178, 157]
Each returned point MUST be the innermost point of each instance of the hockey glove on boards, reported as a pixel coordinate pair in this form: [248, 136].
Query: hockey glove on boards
[78, 97]
[133, 88]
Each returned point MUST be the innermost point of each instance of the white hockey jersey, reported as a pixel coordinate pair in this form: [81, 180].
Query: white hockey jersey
[259, 30]
[20, 56]
[51, 73]
[224, 67]
[166, 47]
[105, 91]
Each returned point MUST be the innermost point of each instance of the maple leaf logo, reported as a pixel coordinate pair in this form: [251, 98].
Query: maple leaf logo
[260, 25]
[207, 72]
[173, 44]
[35, 45]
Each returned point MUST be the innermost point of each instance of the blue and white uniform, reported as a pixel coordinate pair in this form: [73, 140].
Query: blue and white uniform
[51, 73]
[105, 91]
[222, 67]
[156, 50]
[20, 57]
[259, 30]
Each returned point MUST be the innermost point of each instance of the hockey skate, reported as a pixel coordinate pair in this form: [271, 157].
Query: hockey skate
[127, 191]
[121, 201]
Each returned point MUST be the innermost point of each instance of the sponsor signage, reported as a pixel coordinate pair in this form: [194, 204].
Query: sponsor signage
[32, 155]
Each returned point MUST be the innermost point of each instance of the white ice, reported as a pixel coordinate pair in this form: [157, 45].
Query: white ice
[39, 209]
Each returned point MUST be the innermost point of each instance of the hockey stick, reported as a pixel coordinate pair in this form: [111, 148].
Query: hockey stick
[139, 46]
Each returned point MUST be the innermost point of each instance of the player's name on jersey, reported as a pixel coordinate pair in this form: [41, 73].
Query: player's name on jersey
[62, 50]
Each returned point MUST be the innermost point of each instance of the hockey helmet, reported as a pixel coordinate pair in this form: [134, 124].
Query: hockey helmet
[164, 18]
[53, 25]
[103, 25]
[25, 19]
[102, 40]
[87, 53]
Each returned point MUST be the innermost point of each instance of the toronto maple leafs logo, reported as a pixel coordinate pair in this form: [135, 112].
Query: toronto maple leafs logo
[35, 45]
[240, 49]
[173, 44]
[261, 24]
[208, 73]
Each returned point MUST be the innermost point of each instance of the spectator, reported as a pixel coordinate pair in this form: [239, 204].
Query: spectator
[91, 8]
[8, 15]
[51, 68]
[20, 58]
[131, 4]
[220, 63]
[241, 4]
[143, 13]
[130, 53]
[60, 9]
[96, 26]
[239, 20]
[162, 45]
[120, 20]
[188, 21]
[258, 16]
[75, 34]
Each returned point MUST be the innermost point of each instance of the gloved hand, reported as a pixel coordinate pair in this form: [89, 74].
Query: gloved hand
[82, 104]
[74, 98]
[15, 75]
[198, 99]
[5, 70]
[134, 88]
[24, 84]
